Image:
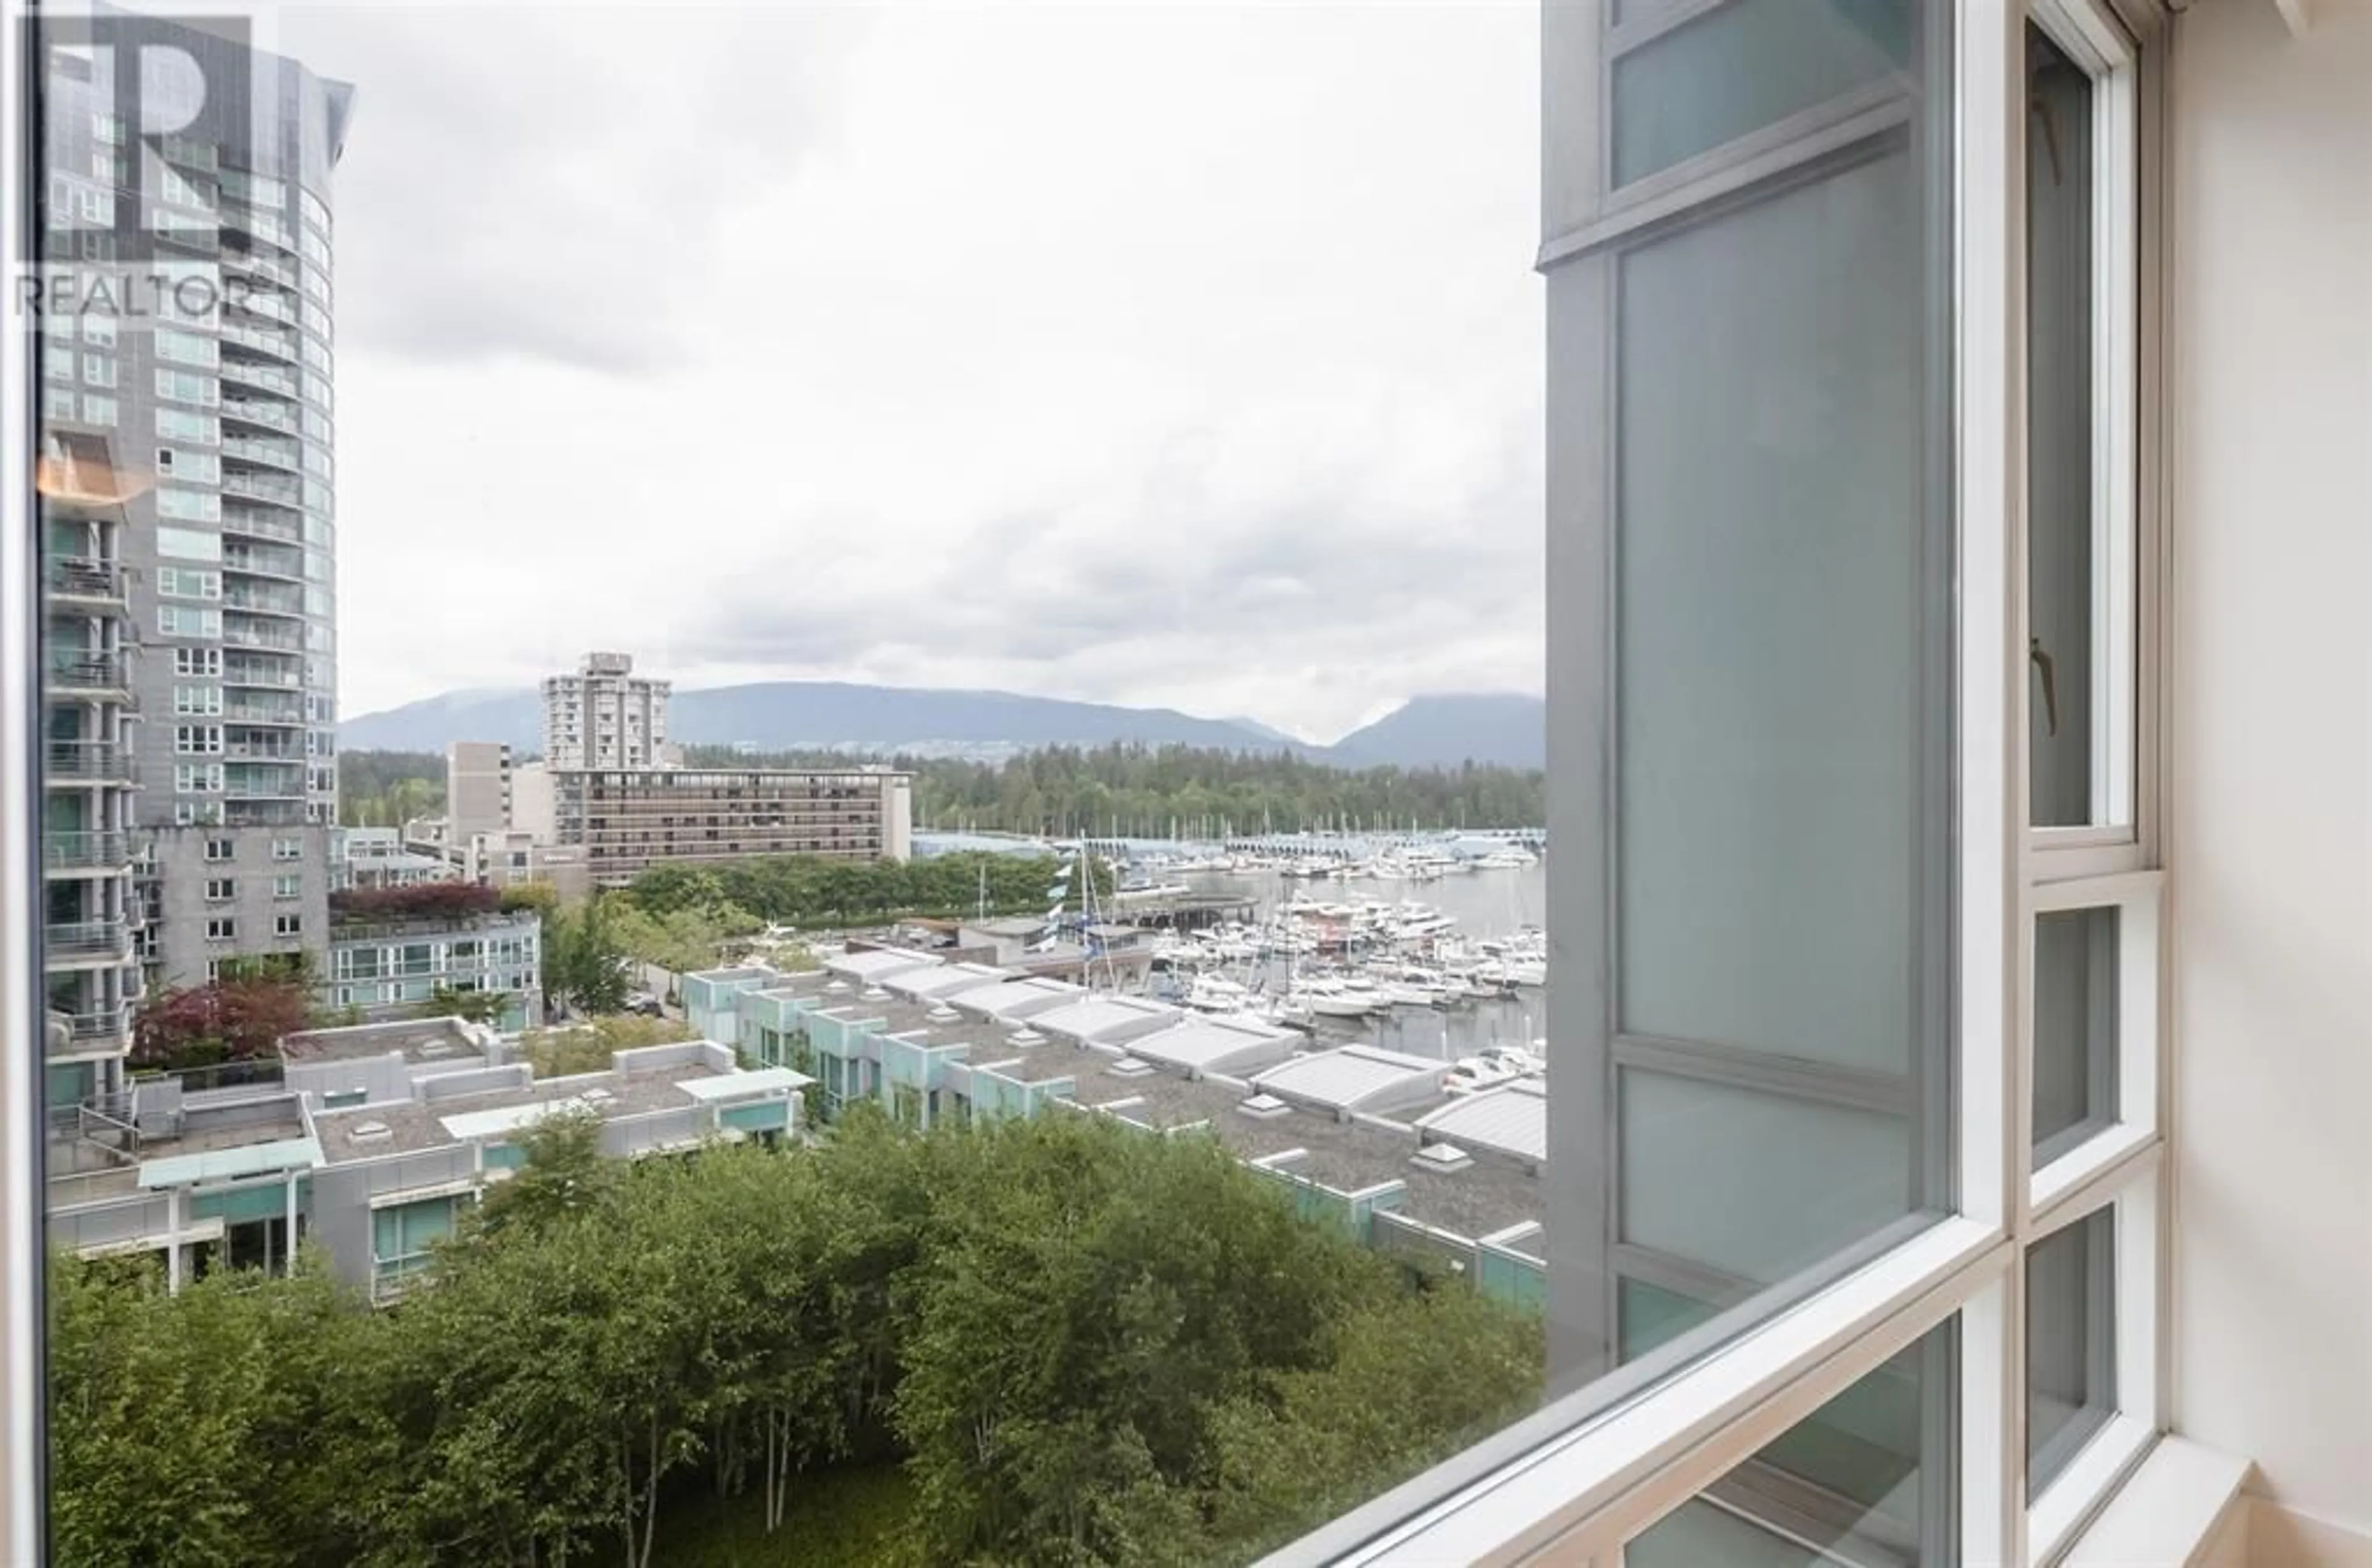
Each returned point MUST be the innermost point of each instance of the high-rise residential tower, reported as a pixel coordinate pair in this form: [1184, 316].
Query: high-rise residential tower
[88, 905]
[204, 166]
[604, 716]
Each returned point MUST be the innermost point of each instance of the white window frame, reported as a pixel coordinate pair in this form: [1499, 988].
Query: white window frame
[2125, 549]
[1576, 1486]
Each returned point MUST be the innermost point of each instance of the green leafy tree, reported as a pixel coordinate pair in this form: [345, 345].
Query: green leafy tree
[588, 1045]
[584, 965]
[476, 1006]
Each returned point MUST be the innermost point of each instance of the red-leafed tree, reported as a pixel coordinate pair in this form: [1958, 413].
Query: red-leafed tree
[417, 901]
[229, 1020]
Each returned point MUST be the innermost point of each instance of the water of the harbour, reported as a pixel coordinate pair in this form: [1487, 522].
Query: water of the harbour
[1486, 903]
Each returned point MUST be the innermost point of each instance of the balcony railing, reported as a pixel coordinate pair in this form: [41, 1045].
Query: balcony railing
[250, 341]
[262, 562]
[72, 576]
[258, 712]
[282, 750]
[264, 487]
[87, 850]
[259, 601]
[80, 1033]
[279, 454]
[265, 786]
[235, 260]
[265, 525]
[235, 674]
[264, 814]
[86, 938]
[259, 375]
[249, 637]
[257, 411]
[102, 761]
[89, 673]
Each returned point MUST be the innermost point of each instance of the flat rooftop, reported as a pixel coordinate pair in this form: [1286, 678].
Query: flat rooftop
[900, 1016]
[269, 1119]
[413, 1125]
[423, 1041]
[1349, 1157]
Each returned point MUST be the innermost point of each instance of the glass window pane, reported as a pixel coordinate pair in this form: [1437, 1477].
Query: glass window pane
[2076, 985]
[1646, 1316]
[1864, 1478]
[1773, 628]
[1752, 1183]
[2062, 546]
[1744, 66]
[2071, 1351]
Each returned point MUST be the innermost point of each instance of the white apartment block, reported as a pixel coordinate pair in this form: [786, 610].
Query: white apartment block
[604, 716]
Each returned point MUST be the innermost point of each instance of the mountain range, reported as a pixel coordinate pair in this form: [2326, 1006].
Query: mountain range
[1434, 731]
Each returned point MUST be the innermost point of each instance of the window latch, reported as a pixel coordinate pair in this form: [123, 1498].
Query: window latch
[2043, 662]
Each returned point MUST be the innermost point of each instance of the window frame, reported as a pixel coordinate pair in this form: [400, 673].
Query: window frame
[1577, 1480]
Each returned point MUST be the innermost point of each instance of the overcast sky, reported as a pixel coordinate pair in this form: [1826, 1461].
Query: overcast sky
[1184, 355]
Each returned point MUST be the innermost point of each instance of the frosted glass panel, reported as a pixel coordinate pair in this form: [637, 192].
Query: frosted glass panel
[1754, 1183]
[2076, 964]
[1744, 66]
[1772, 640]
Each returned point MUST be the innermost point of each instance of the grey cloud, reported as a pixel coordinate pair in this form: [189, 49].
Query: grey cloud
[551, 182]
[1324, 581]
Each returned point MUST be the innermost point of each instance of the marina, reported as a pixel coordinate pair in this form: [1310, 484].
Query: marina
[1431, 947]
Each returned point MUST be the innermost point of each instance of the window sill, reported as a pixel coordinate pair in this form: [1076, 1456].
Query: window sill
[2165, 1512]
[1617, 1472]
[2091, 1477]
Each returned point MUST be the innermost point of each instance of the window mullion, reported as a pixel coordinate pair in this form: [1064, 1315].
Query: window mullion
[1994, 1113]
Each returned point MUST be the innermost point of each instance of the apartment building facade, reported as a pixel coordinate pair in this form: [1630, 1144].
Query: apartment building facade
[628, 820]
[386, 967]
[605, 716]
[89, 908]
[215, 390]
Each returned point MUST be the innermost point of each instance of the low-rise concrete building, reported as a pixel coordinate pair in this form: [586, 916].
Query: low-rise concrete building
[1367, 1139]
[628, 819]
[384, 965]
[372, 1141]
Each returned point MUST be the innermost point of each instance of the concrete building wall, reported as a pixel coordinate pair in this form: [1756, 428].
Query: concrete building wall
[189, 864]
[534, 807]
[477, 787]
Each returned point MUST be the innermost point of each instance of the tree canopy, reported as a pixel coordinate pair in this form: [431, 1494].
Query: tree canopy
[224, 1020]
[1084, 1345]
